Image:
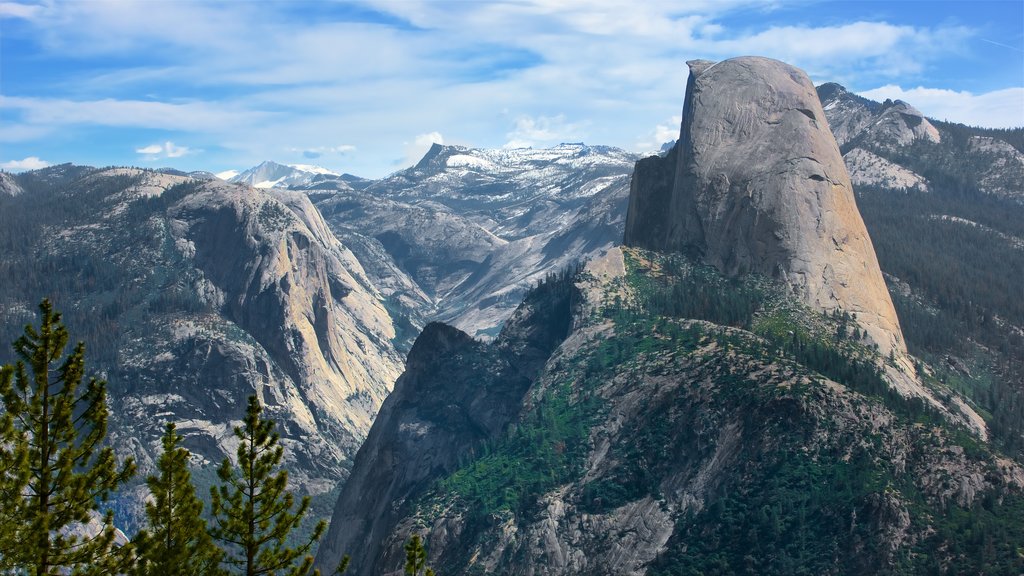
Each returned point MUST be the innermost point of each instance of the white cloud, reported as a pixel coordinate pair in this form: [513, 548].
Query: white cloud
[532, 131]
[661, 134]
[258, 80]
[318, 151]
[30, 163]
[165, 150]
[414, 151]
[189, 116]
[996, 109]
[19, 10]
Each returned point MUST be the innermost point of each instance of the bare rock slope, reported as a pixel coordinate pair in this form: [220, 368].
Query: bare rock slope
[760, 186]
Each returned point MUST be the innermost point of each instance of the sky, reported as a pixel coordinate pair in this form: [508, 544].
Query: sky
[366, 87]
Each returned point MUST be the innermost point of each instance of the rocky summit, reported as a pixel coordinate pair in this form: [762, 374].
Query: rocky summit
[759, 185]
[729, 394]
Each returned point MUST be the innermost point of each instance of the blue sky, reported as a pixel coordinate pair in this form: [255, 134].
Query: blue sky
[366, 87]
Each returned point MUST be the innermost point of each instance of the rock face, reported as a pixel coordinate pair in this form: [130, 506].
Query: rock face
[760, 186]
[8, 185]
[869, 169]
[193, 294]
[461, 236]
[455, 394]
[590, 440]
[892, 145]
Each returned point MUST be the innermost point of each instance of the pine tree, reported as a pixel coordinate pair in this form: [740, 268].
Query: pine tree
[13, 476]
[252, 508]
[176, 543]
[69, 473]
[416, 558]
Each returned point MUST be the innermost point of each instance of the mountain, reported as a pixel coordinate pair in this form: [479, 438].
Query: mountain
[761, 187]
[677, 408]
[273, 175]
[892, 145]
[944, 205]
[467, 231]
[193, 294]
[8, 185]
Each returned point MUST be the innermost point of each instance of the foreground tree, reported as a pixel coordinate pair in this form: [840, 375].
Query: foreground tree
[252, 508]
[13, 476]
[176, 542]
[416, 558]
[59, 430]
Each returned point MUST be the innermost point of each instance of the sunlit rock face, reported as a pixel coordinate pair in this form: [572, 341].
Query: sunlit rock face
[760, 186]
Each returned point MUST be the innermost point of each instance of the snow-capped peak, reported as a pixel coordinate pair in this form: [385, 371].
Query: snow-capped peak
[313, 169]
[270, 174]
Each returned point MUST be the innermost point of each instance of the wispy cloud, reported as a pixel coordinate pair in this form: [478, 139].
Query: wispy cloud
[318, 151]
[996, 109]
[542, 131]
[661, 134]
[30, 163]
[418, 147]
[164, 150]
[189, 116]
[260, 80]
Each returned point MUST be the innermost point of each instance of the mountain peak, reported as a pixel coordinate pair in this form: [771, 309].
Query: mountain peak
[270, 174]
[757, 184]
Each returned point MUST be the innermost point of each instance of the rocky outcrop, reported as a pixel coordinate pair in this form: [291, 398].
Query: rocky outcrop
[900, 124]
[8, 186]
[192, 295]
[455, 395]
[869, 169]
[760, 186]
[622, 447]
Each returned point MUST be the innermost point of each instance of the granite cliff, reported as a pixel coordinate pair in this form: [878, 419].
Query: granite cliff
[729, 394]
[759, 186]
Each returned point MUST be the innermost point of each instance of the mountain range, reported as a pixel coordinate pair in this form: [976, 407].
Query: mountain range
[730, 391]
[308, 287]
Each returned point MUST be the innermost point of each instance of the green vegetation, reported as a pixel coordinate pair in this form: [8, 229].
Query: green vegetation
[55, 475]
[965, 306]
[176, 542]
[252, 508]
[64, 472]
[416, 558]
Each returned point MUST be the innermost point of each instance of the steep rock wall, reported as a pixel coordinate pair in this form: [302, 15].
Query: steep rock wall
[760, 186]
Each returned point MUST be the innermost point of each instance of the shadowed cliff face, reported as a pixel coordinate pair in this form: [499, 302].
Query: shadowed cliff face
[598, 436]
[760, 186]
[456, 394]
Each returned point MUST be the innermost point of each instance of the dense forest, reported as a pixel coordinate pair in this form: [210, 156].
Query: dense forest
[955, 265]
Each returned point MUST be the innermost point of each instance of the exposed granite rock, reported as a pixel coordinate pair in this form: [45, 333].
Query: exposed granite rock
[869, 169]
[760, 186]
[456, 393]
[901, 124]
[848, 114]
[8, 186]
[672, 434]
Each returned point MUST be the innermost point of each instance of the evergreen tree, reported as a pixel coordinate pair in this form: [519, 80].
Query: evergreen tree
[13, 476]
[252, 508]
[176, 543]
[69, 474]
[416, 558]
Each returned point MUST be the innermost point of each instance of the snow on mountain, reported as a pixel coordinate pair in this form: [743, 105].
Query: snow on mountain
[467, 230]
[270, 174]
[227, 174]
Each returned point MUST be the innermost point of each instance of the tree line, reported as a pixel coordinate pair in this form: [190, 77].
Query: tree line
[56, 474]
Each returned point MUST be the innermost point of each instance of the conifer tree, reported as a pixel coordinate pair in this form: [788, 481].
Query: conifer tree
[69, 473]
[252, 508]
[416, 558]
[176, 542]
[13, 476]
